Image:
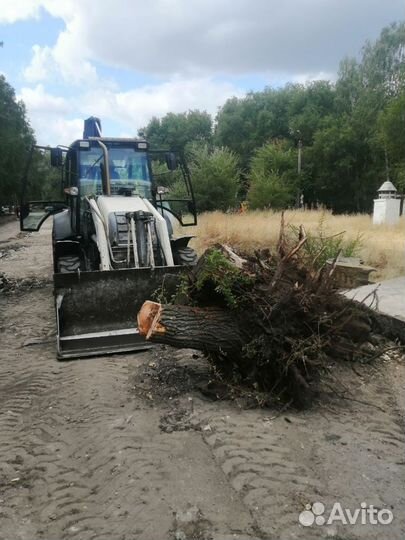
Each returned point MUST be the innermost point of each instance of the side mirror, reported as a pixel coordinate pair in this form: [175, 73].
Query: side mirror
[56, 157]
[161, 190]
[171, 161]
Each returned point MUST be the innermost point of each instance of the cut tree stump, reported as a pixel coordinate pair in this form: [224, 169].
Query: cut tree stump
[206, 329]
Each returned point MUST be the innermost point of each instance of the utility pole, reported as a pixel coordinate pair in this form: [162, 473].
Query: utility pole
[387, 168]
[296, 134]
[300, 197]
[299, 156]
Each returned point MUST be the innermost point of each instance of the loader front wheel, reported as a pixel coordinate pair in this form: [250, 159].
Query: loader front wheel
[68, 264]
[185, 256]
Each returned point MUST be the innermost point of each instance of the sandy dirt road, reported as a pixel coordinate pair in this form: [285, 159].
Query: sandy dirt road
[108, 449]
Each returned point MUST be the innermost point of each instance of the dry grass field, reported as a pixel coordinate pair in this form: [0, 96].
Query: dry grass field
[380, 246]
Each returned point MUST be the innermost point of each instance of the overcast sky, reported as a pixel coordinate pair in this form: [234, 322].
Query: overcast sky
[129, 60]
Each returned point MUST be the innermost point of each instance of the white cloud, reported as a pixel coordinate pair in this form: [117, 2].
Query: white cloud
[39, 68]
[71, 54]
[16, 10]
[38, 101]
[48, 115]
[65, 131]
[135, 108]
[203, 37]
[51, 116]
[67, 59]
[304, 78]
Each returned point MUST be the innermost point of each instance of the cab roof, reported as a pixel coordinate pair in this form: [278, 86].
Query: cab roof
[132, 140]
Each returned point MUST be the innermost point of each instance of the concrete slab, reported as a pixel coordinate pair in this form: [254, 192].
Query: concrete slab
[389, 298]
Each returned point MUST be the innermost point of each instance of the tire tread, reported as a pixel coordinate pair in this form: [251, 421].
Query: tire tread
[68, 264]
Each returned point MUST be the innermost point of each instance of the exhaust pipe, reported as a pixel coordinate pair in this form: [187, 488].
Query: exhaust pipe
[106, 172]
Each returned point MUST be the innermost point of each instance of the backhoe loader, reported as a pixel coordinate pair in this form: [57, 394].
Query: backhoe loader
[113, 236]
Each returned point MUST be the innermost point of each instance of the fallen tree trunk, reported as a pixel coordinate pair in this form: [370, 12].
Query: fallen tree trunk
[271, 322]
[206, 329]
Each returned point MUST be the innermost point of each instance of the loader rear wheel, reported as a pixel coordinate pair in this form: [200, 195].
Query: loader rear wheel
[185, 256]
[68, 264]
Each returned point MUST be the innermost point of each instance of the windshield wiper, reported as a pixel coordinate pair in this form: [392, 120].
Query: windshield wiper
[94, 164]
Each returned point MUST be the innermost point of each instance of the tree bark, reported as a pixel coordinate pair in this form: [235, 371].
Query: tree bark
[206, 329]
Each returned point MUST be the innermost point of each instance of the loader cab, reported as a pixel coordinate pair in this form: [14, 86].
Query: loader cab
[114, 167]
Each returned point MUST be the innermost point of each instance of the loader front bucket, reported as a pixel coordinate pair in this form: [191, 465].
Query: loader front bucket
[97, 311]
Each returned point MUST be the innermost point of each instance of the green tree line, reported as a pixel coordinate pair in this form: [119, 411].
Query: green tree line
[16, 139]
[352, 133]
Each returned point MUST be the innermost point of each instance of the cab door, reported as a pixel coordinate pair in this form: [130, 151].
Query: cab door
[34, 213]
[71, 188]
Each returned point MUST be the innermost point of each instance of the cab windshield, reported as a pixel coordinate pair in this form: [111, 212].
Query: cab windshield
[129, 171]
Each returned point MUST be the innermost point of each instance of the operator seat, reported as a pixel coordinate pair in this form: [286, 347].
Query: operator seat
[113, 173]
[115, 179]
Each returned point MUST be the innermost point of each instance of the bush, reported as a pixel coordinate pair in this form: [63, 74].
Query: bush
[273, 177]
[321, 245]
[215, 176]
[269, 192]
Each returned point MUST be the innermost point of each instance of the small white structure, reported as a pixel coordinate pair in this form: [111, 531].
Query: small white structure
[386, 207]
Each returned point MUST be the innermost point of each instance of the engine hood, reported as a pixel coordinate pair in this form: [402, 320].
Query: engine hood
[117, 203]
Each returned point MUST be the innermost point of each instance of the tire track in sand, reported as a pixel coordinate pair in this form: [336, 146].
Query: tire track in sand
[82, 458]
[351, 454]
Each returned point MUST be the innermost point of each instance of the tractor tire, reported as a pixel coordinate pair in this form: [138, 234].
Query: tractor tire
[68, 264]
[185, 257]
